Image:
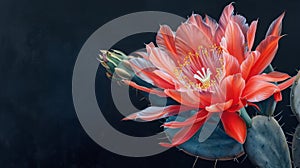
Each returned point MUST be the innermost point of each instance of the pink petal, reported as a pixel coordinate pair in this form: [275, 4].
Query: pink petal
[153, 113]
[232, 65]
[219, 107]
[166, 39]
[251, 34]
[189, 38]
[235, 41]
[275, 27]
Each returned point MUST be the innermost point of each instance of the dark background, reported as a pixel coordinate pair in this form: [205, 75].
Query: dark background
[39, 43]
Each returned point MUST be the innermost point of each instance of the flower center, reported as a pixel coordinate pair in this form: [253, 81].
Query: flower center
[203, 77]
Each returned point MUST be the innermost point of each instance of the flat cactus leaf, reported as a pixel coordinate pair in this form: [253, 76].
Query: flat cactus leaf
[266, 144]
[296, 148]
[295, 97]
[267, 107]
[219, 146]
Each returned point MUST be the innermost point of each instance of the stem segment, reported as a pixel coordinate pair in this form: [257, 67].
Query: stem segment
[246, 117]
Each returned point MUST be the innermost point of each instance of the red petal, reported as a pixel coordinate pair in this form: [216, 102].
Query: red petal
[275, 27]
[287, 83]
[274, 76]
[153, 113]
[223, 21]
[234, 126]
[267, 48]
[191, 99]
[158, 81]
[145, 89]
[248, 63]
[233, 86]
[219, 107]
[235, 41]
[251, 34]
[257, 90]
[200, 116]
[183, 135]
[232, 65]
[166, 39]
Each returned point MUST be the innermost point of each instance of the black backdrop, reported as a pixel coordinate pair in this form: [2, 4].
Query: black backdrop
[39, 43]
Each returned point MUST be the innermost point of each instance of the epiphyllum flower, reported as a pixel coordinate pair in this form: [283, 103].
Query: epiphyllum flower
[210, 67]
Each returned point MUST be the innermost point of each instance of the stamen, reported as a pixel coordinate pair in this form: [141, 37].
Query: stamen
[203, 77]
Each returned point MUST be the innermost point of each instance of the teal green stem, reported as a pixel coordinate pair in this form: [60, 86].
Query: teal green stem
[246, 117]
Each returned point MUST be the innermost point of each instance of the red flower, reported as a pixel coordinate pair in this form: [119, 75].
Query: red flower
[210, 67]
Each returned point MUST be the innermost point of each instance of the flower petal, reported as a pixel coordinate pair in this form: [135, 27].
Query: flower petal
[241, 21]
[273, 76]
[153, 113]
[200, 116]
[189, 37]
[161, 59]
[251, 34]
[267, 48]
[197, 20]
[275, 27]
[248, 63]
[235, 41]
[166, 39]
[257, 90]
[182, 97]
[211, 23]
[223, 21]
[233, 86]
[145, 89]
[219, 107]
[232, 65]
[183, 134]
[234, 126]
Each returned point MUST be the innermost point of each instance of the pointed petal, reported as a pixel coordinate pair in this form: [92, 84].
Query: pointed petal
[140, 64]
[164, 76]
[267, 48]
[241, 21]
[251, 34]
[189, 38]
[248, 63]
[158, 81]
[235, 41]
[234, 126]
[287, 83]
[219, 107]
[166, 39]
[200, 116]
[145, 89]
[233, 86]
[274, 76]
[197, 21]
[211, 23]
[257, 90]
[275, 27]
[153, 113]
[232, 65]
[182, 98]
[183, 135]
[223, 21]
[160, 59]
